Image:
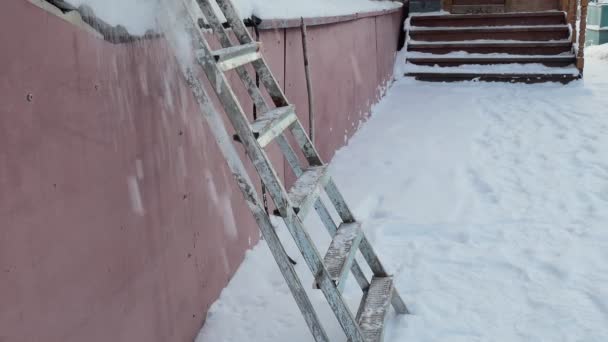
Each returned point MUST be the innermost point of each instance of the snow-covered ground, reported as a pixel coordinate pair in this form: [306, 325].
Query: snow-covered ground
[489, 202]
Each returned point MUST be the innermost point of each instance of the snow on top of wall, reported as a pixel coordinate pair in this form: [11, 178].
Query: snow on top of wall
[138, 16]
[286, 9]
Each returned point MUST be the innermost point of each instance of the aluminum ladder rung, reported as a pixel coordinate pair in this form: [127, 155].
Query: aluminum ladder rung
[374, 308]
[235, 56]
[307, 189]
[272, 124]
[341, 253]
[235, 51]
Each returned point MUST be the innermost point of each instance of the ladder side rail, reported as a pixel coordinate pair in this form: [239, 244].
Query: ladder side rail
[308, 148]
[236, 115]
[224, 141]
[302, 139]
[366, 248]
[279, 98]
[398, 303]
[265, 170]
[324, 215]
[290, 155]
[280, 197]
[243, 35]
[247, 188]
[345, 213]
[327, 286]
[277, 191]
[332, 229]
[313, 157]
[222, 35]
[232, 16]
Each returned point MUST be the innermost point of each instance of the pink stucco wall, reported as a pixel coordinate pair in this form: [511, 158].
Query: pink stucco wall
[119, 220]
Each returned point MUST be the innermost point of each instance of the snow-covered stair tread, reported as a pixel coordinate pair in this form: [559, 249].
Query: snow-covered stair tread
[513, 47]
[487, 46]
[492, 42]
[341, 252]
[498, 57]
[307, 188]
[493, 33]
[271, 124]
[487, 19]
[443, 61]
[313, 177]
[488, 28]
[236, 56]
[374, 307]
[513, 68]
[462, 54]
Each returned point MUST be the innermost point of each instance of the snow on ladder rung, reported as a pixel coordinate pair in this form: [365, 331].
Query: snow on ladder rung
[374, 307]
[271, 124]
[235, 56]
[341, 252]
[307, 189]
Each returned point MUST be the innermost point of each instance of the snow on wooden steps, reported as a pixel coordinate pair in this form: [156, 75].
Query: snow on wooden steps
[520, 33]
[449, 61]
[504, 19]
[513, 47]
[486, 46]
[493, 77]
[488, 28]
[510, 68]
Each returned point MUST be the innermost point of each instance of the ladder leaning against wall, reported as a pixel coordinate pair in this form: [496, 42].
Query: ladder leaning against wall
[330, 271]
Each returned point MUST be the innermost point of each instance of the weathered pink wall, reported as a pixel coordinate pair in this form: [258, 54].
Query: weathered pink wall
[119, 220]
[80, 259]
[351, 63]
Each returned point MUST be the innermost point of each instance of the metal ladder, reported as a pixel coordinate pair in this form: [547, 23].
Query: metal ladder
[331, 270]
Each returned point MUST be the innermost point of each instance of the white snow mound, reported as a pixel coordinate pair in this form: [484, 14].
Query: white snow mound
[597, 52]
[487, 201]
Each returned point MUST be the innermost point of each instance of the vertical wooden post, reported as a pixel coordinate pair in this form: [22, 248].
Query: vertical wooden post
[447, 5]
[311, 102]
[580, 57]
[572, 10]
[508, 5]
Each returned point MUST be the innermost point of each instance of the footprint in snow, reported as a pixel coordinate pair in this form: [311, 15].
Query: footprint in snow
[481, 186]
[599, 302]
